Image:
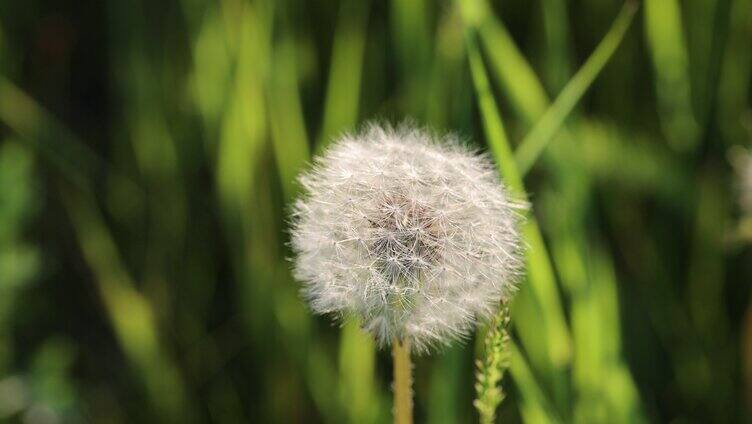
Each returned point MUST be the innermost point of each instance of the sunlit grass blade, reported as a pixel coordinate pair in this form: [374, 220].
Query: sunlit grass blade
[211, 74]
[446, 386]
[247, 199]
[412, 42]
[446, 98]
[535, 142]
[286, 117]
[705, 25]
[492, 123]
[244, 123]
[357, 365]
[530, 101]
[734, 81]
[514, 74]
[239, 151]
[345, 71]
[521, 86]
[595, 326]
[247, 214]
[540, 275]
[557, 49]
[664, 34]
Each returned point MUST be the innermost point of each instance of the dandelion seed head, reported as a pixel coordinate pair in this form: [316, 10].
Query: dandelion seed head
[412, 233]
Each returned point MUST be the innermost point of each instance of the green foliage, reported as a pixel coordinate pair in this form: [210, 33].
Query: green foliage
[148, 160]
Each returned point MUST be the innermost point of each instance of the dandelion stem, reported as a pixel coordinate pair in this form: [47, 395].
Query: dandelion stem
[403, 382]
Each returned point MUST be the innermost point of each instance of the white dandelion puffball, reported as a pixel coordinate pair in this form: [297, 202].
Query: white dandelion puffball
[413, 234]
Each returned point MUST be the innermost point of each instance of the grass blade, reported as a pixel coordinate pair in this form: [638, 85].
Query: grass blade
[540, 277]
[492, 123]
[664, 34]
[286, 117]
[557, 49]
[734, 81]
[345, 71]
[536, 141]
[412, 42]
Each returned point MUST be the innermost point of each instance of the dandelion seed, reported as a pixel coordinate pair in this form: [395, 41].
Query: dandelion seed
[412, 233]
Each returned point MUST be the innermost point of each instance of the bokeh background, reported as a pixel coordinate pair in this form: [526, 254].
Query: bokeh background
[148, 151]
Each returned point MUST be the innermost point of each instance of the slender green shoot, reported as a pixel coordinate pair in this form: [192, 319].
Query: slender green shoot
[493, 366]
[345, 71]
[547, 126]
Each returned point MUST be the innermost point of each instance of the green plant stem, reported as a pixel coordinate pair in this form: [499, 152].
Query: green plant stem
[403, 382]
[493, 366]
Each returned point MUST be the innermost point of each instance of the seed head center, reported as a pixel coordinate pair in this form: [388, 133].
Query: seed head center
[406, 240]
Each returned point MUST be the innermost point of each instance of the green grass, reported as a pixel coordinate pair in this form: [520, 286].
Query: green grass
[148, 160]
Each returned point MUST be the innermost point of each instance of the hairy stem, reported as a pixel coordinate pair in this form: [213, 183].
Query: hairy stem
[403, 382]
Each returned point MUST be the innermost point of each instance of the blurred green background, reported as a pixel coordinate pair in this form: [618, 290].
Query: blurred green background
[148, 151]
